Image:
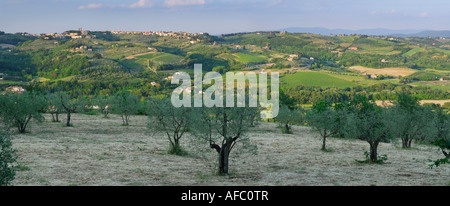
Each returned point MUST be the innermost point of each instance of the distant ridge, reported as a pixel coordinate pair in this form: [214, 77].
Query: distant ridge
[375, 32]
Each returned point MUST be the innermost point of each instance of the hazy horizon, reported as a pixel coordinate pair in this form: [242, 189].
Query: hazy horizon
[220, 16]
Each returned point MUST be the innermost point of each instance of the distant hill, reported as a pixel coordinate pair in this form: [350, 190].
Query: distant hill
[426, 34]
[375, 32]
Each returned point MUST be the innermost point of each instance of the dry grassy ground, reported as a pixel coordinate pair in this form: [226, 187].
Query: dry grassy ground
[99, 151]
[389, 103]
[395, 72]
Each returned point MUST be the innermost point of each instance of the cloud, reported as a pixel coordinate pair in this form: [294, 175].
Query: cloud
[172, 3]
[393, 11]
[423, 14]
[141, 4]
[138, 4]
[91, 6]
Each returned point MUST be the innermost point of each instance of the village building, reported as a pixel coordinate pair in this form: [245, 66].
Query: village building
[168, 78]
[292, 57]
[15, 89]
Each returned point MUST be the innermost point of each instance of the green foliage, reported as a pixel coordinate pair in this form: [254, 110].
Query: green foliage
[125, 104]
[98, 56]
[288, 117]
[220, 69]
[104, 103]
[15, 39]
[18, 109]
[324, 120]
[425, 76]
[70, 105]
[381, 159]
[55, 64]
[382, 91]
[173, 122]
[165, 67]
[54, 106]
[285, 99]
[409, 121]
[222, 128]
[208, 61]
[366, 121]
[440, 135]
[7, 159]
[444, 145]
[446, 105]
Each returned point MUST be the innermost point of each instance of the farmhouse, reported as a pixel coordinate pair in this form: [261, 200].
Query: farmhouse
[292, 57]
[372, 76]
[353, 48]
[15, 89]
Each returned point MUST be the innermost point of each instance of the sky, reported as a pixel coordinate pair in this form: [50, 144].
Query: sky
[220, 16]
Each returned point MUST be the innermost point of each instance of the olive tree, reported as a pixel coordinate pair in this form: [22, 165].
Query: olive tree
[104, 103]
[18, 109]
[7, 158]
[409, 121]
[288, 117]
[70, 105]
[173, 121]
[125, 104]
[222, 128]
[366, 121]
[54, 106]
[440, 134]
[324, 120]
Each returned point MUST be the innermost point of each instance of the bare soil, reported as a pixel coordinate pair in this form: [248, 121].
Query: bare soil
[98, 151]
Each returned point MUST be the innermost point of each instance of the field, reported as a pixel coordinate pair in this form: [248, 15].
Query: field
[248, 58]
[412, 52]
[389, 103]
[315, 79]
[162, 58]
[97, 151]
[434, 84]
[395, 72]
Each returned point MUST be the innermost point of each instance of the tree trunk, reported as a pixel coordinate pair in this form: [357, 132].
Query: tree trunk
[406, 142]
[324, 143]
[68, 119]
[223, 161]
[57, 116]
[21, 128]
[287, 130]
[53, 117]
[373, 151]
